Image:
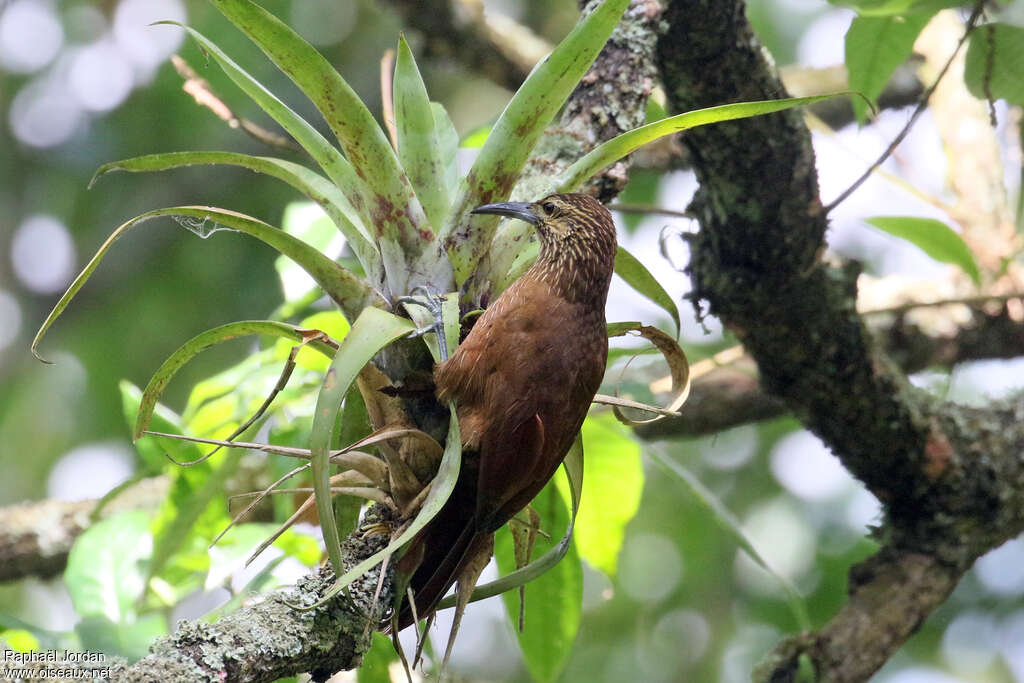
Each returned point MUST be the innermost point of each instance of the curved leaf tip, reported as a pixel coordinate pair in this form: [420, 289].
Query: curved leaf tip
[35, 352]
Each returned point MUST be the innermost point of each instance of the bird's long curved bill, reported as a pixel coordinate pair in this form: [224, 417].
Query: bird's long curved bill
[520, 210]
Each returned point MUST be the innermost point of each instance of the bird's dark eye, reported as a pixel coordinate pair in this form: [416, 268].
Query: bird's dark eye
[549, 207]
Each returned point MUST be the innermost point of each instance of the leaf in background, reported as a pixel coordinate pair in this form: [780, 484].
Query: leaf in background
[228, 556]
[130, 639]
[518, 129]
[22, 633]
[888, 8]
[19, 640]
[934, 238]
[419, 146]
[187, 521]
[1002, 46]
[393, 209]
[875, 46]
[611, 491]
[611, 151]
[105, 573]
[728, 523]
[204, 340]
[642, 189]
[476, 138]
[636, 275]
[554, 599]
[376, 661]
[308, 182]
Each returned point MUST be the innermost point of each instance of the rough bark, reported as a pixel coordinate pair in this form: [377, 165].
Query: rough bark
[949, 477]
[35, 538]
[270, 639]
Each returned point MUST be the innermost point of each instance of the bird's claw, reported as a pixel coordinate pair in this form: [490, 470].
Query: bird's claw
[434, 303]
[375, 529]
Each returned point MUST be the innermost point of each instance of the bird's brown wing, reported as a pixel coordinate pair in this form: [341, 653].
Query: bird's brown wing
[522, 392]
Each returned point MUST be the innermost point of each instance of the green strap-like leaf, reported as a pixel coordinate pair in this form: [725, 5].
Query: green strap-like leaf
[203, 341]
[351, 293]
[440, 489]
[337, 168]
[573, 465]
[373, 330]
[517, 131]
[639, 278]
[308, 182]
[394, 211]
[448, 141]
[512, 251]
[419, 146]
[608, 153]
[934, 238]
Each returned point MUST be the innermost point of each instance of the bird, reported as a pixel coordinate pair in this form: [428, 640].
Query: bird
[522, 381]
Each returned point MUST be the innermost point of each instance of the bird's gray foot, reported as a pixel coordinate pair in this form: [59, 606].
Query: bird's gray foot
[433, 302]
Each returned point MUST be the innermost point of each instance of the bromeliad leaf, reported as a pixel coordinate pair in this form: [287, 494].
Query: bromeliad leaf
[373, 330]
[934, 238]
[618, 147]
[393, 207]
[351, 293]
[448, 140]
[205, 340]
[419, 145]
[308, 182]
[440, 489]
[679, 368]
[518, 129]
[636, 275]
[337, 168]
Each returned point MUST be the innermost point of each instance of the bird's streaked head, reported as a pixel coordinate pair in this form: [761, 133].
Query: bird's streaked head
[576, 223]
[577, 237]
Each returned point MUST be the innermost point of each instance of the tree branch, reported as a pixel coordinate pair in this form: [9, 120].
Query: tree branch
[35, 538]
[271, 639]
[756, 262]
[732, 395]
[459, 30]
